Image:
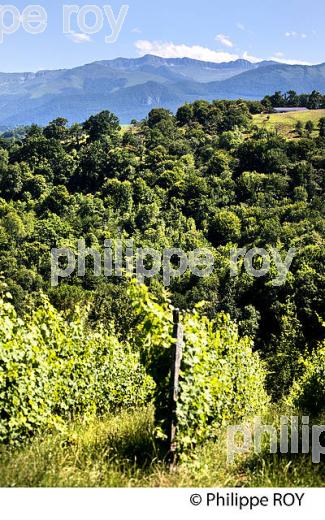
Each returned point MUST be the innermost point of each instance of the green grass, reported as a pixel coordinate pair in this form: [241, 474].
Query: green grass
[285, 124]
[122, 452]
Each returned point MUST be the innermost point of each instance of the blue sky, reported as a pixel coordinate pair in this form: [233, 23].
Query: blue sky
[286, 30]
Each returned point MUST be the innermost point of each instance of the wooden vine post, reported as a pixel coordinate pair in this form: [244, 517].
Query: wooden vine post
[176, 358]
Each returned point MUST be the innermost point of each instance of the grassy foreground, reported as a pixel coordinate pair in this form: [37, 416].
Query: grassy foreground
[285, 124]
[122, 452]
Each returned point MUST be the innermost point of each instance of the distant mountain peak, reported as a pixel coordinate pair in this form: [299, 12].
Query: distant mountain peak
[129, 86]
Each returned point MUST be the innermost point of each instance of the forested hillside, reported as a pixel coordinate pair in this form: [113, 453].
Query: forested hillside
[204, 178]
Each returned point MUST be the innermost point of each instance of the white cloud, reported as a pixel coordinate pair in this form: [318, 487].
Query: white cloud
[172, 50]
[249, 57]
[224, 40]
[288, 61]
[78, 37]
[295, 34]
[278, 57]
[240, 26]
[136, 30]
[196, 52]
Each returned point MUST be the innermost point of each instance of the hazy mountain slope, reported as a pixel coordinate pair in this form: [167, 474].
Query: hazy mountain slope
[131, 87]
[183, 68]
[267, 80]
[128, 103]
[131, 71]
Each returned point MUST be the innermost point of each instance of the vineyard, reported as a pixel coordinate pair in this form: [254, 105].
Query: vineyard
[54, 372]
[125, 382]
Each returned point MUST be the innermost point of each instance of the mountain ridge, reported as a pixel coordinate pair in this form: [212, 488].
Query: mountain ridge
[131, 87]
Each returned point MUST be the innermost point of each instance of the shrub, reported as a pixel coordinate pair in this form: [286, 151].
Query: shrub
[51, 370]
[308, 392]
[221, 378]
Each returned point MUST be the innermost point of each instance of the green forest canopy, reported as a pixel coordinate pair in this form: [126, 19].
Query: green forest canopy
[205, 177]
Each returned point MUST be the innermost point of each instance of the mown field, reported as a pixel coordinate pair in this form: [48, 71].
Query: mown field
[285, 124]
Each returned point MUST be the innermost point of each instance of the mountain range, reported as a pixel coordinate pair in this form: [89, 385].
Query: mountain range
[131, 87]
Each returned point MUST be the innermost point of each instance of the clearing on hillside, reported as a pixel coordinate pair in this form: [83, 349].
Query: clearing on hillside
[285, 124]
